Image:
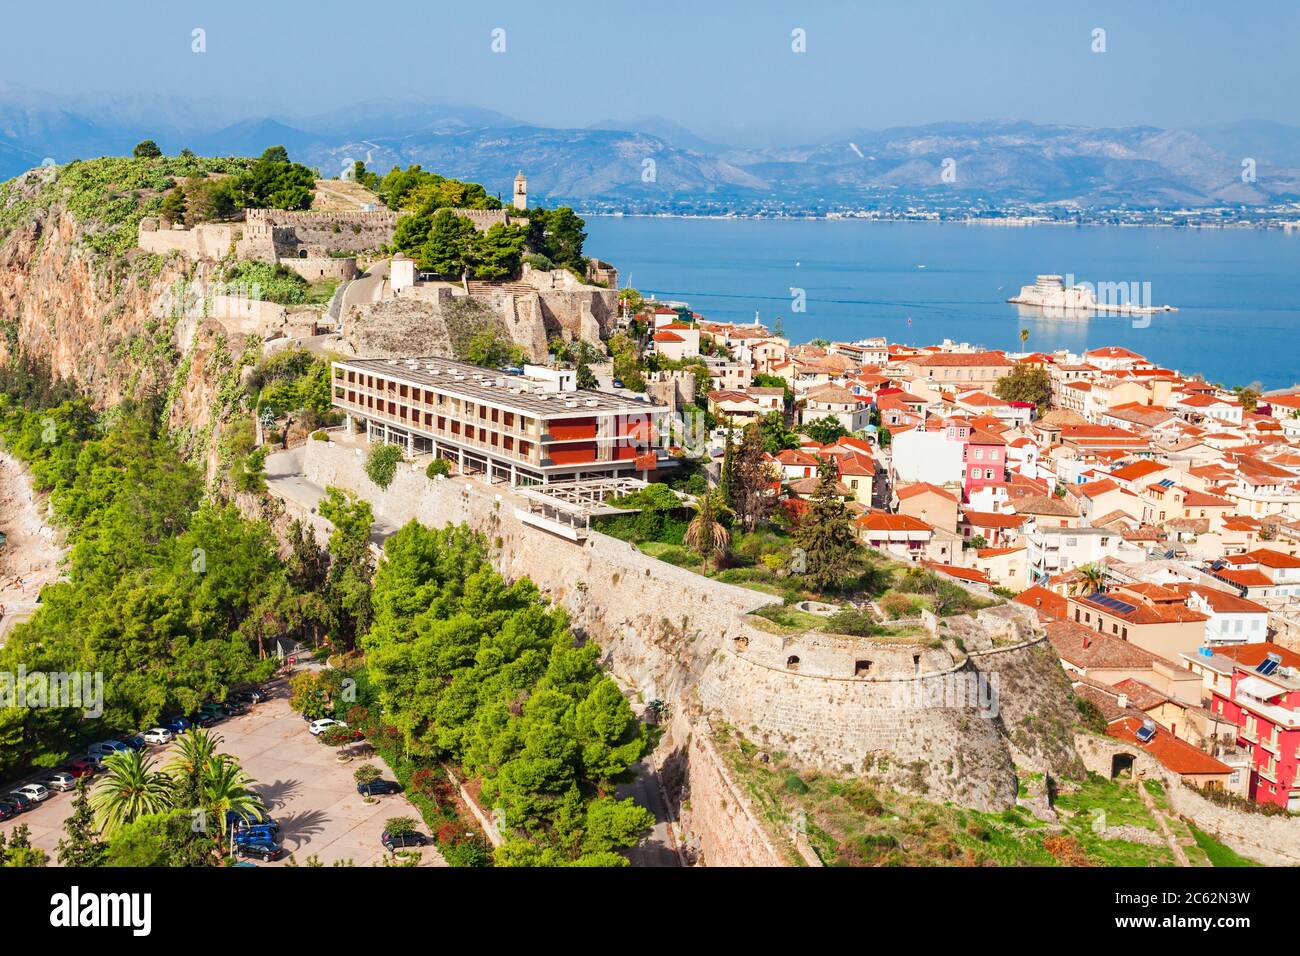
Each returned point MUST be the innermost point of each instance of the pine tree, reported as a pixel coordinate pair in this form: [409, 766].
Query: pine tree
[832, 553]
[82, 846]
[727, 478]
[753, 500]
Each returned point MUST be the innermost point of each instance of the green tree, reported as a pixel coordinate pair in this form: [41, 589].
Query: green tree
[825, 430]
[17, 851]
[612, 824]
[129, 789]
[1025, 383]
[450, 247]
[173, 206]
[166, 838]
[382, 462]
[226, 789]
[776, 434]
[1090, 578]
[753, 497]
[273, 182]
[81, 846]
[706, 535]
[496, 253]
[146, 149]
[832, 553]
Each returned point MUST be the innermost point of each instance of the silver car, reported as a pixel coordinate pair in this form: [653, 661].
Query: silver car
[61, 780]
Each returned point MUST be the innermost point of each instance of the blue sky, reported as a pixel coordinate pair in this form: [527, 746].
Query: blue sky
[724, 69]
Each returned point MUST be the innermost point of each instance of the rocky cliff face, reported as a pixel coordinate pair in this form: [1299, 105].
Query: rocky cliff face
[124, 327]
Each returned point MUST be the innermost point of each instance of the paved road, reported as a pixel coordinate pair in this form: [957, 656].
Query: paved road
[285, 480]
[305, 788]
[658, 849]
[368, 288]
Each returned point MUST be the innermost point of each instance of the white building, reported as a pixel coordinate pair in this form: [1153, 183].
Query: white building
[1051, 551]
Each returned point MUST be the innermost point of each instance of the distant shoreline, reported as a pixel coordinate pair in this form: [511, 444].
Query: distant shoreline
[1009, 223]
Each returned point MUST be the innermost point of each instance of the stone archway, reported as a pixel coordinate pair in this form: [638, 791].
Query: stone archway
[1121, 766]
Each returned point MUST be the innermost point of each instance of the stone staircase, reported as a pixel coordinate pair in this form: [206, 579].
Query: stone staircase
[481, 288]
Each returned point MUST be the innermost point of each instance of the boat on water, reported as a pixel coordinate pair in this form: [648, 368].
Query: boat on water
[1053, 293]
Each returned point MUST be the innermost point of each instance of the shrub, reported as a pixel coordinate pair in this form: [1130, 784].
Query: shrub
[794, 783]
[897, 605]
[320, 435]
[471, 852]
[366, 773]
[853, 622]
[399, 826]
[381, 465]
[439, 466]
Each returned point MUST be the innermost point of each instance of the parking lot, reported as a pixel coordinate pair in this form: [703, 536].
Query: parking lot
[305, 788]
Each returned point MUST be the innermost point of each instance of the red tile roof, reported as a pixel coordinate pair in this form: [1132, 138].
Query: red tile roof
[920, 487]
[1172, 753]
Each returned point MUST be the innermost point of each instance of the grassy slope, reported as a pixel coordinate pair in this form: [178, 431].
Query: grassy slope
[853, 822]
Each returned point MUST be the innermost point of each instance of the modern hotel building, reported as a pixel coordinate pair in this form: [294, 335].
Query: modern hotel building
[530, 428]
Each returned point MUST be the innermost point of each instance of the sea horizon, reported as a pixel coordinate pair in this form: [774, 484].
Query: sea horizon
[920, 286]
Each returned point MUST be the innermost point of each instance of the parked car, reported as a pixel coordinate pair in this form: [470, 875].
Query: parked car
[178, 725]
[8, 810]
[20, 803]
[135, 742]
[106, 748]
[208, 720]
[261, 849]
[397, 841]
[159, 735]
[60, 780]
[318, 727]
[238, 823]
[252, 695]
[377, 788]
[233, 708]
[33, 791]
[82, 767]
[257, 833]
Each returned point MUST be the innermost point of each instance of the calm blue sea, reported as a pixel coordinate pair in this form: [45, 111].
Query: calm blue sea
[1237, 291]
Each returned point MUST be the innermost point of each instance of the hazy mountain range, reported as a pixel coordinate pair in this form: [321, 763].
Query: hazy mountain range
[652, 163]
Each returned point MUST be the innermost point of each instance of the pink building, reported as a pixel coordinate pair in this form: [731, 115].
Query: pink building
[984, 460]
[1263, 700]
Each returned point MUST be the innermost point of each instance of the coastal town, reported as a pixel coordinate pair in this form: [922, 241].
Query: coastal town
[1013, 582]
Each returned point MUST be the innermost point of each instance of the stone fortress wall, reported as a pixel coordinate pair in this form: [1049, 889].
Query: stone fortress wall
[207, 241]
[677, 636]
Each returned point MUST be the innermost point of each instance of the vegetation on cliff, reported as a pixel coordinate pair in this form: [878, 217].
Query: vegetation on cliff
[171, 597]
[107, 196]
[472, 668]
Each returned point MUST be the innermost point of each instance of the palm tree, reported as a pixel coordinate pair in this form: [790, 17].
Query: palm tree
[194, 754]
[226, 789]
[706, 535]
[130, 789]
[1090, 578]
[1024, 337]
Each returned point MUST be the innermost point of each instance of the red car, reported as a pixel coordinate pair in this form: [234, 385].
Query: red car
[81, 768]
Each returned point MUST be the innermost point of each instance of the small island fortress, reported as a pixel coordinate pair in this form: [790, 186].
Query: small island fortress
[1054, 293]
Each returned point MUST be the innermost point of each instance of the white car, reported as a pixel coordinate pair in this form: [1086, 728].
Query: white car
[158, 735]
[32, 791]
[60, 780]
[319, 727]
